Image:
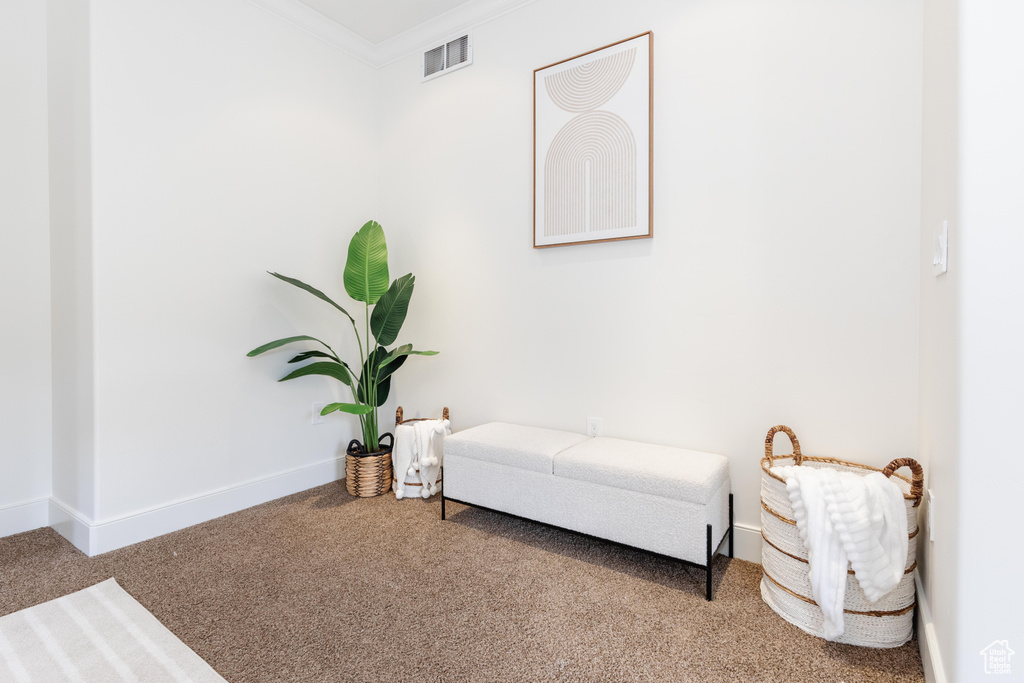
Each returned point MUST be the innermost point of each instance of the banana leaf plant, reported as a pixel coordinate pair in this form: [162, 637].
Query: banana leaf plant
[366, 280]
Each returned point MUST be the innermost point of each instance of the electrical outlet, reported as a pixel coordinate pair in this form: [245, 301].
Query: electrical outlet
[595, 426]
[318, 419]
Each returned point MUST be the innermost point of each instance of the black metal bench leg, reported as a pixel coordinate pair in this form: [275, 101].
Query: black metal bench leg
[441, 477]
[707, 567]
[730, 526]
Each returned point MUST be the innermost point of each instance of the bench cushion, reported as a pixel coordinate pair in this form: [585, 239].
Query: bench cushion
[529, 448]
[664, 471]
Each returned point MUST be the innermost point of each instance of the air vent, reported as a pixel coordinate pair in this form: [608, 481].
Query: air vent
[433, 61]
[449, 56]
[457, 51]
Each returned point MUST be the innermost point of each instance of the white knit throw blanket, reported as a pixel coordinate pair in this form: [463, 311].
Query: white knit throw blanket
[848, 519]
[419, 448]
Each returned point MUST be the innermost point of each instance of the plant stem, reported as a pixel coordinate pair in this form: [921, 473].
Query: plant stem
[362, 362]
[370, 435]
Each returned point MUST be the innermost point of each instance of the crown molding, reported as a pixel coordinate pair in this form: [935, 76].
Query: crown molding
[308, 20]
[466, 16]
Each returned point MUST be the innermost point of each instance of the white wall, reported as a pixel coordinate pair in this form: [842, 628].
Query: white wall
[790, 264]
[25, 444]
[782, 282]
[938, 416]
[71, 270]
[971, 325]
[222, 143]
[991, 370]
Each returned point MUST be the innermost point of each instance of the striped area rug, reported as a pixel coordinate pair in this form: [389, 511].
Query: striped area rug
[97, 634]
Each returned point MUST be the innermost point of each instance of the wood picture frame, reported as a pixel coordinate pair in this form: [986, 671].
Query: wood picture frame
[593, 145]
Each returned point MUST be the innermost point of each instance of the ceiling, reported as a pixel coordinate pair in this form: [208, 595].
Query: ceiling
[378, 20]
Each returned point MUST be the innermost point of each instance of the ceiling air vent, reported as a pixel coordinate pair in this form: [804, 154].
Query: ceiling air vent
[451, 55]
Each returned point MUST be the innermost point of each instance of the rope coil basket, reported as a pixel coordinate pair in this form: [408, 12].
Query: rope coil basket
[786, 585]
[410, 481]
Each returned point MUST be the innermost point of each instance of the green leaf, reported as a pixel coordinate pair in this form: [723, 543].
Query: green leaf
[390, 311]
[384, 373]
[314, 291]
[401, 352]
[281, 342]
[383, 381]
[366, 270]
[351, 408]
[335, 370]
[398, 352]
[365, 371]
[306, 355]
[383, 388]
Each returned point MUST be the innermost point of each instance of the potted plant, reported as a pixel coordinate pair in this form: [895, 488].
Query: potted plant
[366, 280]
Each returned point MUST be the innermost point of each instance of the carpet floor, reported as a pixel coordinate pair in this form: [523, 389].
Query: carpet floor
[321, 586]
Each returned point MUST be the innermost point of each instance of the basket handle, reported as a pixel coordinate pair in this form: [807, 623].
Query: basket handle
[769, 441]
[916, 484]
[400, 415]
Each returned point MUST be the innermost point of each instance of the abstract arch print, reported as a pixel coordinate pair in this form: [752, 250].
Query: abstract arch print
[592, 152]
[590, 176]
[589, 85]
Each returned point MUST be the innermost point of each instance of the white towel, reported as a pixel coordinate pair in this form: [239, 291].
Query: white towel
[845, 518]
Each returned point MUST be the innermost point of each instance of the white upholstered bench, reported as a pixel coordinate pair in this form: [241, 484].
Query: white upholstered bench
[665, 500]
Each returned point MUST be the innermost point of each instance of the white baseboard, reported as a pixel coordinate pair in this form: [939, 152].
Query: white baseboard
[111, 534]
[748, 543]
[927, 641]
[72, 525]
[24, 516]
[94, 538]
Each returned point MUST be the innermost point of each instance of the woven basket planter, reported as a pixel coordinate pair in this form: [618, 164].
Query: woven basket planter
[786, 585]
[368, 474]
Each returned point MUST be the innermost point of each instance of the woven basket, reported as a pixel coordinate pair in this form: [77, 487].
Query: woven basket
[368, 474]
[786, 585]
[412, 482]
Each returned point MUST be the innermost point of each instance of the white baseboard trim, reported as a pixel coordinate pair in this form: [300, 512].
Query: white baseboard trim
[747, 543]
[111, 534]
[72, 525]
[24, 516]
[94, 538]
[927, 641]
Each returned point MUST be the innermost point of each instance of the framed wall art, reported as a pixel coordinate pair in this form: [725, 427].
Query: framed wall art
[593, 144]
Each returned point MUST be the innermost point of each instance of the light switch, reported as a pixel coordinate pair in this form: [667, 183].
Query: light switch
[941, 256]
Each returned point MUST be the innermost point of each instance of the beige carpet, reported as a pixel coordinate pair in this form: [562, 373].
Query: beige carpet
[321, 586]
